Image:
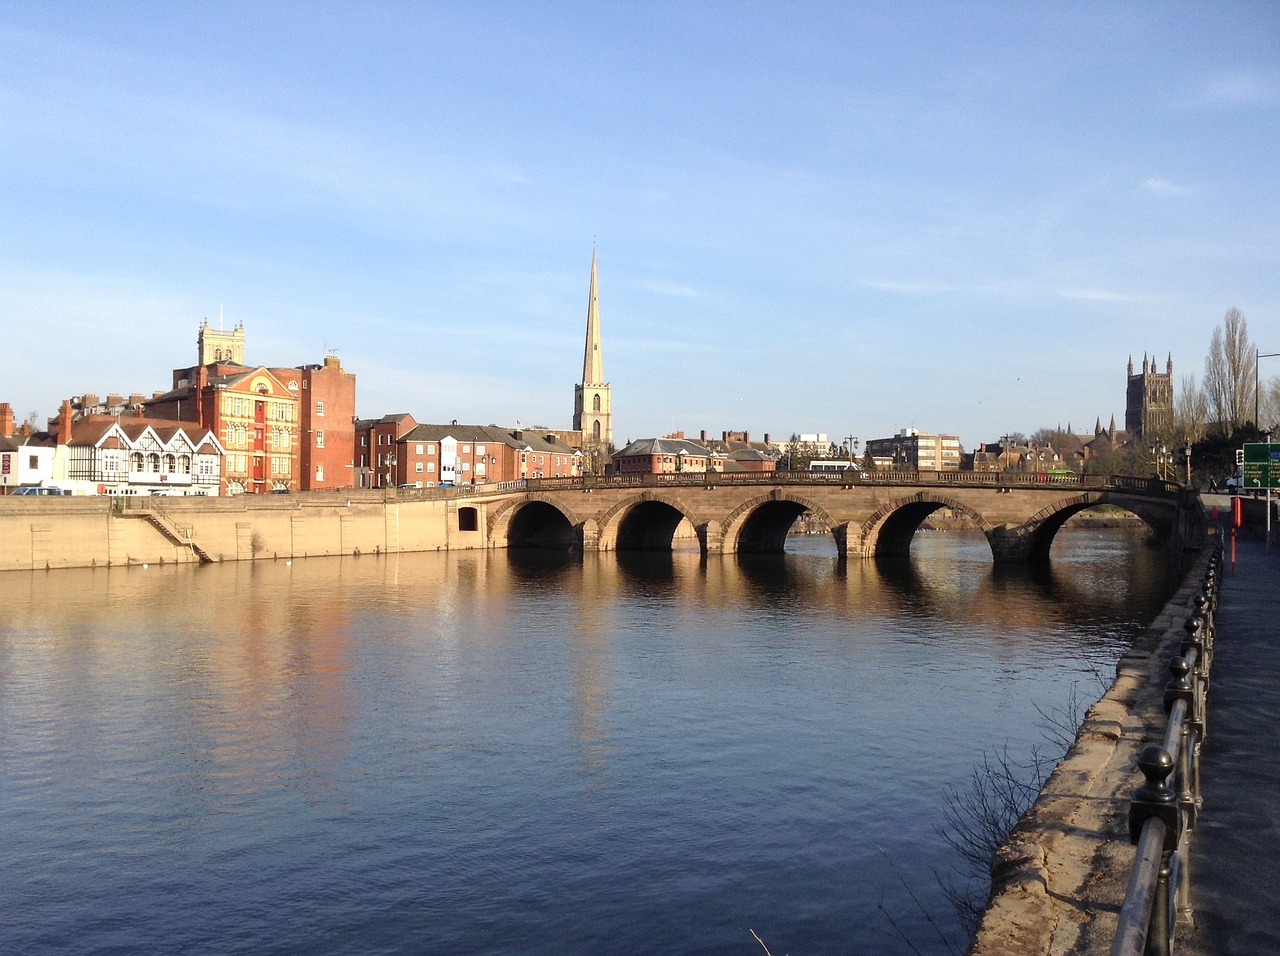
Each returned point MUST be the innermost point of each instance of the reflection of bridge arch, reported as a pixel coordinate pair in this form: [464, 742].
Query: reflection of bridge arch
[760, 524]
[534, 521]
[644, 522]
[889, 530]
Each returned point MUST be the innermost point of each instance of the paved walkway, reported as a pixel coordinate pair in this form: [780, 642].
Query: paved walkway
[1235, 849]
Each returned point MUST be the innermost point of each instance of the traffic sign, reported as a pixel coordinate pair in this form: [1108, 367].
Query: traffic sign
[1261, 465]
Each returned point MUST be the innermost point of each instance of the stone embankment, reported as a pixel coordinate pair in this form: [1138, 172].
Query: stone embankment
[39, 533]
[1059, 880]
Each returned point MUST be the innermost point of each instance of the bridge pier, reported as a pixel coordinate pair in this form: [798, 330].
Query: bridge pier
[589, 534]
[1010, 545]
[711, 535]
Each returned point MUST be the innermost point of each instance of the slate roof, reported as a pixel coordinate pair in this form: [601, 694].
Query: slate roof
[663, 446]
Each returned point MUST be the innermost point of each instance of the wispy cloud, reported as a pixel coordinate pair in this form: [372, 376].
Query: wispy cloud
[1158, 186]
[667, 289]
[1101, 295]
[1238, 90]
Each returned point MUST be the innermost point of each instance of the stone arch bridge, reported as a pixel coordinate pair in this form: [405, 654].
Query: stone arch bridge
[869, 515]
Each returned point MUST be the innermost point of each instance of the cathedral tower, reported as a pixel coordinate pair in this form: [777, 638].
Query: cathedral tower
[592, 405]
[1148, 407]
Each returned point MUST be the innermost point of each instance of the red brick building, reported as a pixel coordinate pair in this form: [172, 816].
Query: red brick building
[376, 461]
[282, 428]
[456, 454]
[666, 456]
[326, 423]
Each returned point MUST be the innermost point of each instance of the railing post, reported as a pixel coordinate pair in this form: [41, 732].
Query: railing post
[1155, 799]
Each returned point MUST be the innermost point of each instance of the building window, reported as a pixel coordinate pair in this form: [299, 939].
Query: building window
[319, 409]
[466, 449]
[479, 449]
[417, 466]
[431, 467]
[595, 403]
[320, 439]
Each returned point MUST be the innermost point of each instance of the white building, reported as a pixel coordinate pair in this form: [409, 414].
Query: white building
[25, 460]
[134, 456]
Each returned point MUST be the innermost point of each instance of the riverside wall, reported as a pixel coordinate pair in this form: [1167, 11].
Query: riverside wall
[38, 533]
[1059, 879]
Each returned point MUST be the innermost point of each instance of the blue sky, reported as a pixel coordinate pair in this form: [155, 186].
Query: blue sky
[837, 217]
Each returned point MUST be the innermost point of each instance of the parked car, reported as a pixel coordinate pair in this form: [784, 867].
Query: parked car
[411, 486]
[33, 490]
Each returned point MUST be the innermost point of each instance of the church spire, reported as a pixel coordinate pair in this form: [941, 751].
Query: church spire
[592, 359]
[592, 398]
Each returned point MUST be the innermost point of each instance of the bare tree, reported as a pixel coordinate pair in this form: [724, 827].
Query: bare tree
[1190, 411]
[1228, 372]
[1269, 404]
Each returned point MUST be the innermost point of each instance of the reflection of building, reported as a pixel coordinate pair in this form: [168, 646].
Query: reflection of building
[592, 399]
[1148, 407]
[911, 450]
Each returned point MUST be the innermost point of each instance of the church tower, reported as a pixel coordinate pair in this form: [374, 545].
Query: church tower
[1148, 411]
[218, 346]
[592, 405]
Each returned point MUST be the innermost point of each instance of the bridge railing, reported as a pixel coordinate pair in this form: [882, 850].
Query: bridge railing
[849, 479]
[1164, 809]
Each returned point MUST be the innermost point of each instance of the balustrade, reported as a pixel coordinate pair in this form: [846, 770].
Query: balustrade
[1161, 816]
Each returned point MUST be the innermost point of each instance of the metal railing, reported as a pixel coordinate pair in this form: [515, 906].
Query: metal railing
[1164, 809]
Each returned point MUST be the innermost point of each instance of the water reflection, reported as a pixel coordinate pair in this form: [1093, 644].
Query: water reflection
[498, 752]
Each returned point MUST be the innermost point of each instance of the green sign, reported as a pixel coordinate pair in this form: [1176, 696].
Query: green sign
[1261, 465]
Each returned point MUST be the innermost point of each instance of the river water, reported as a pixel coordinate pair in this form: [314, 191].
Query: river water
[510, 753]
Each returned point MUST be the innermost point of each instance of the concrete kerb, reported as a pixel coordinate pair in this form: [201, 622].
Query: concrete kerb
[1059, 880]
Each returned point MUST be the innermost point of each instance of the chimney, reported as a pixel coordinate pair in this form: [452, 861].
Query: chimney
[6, 420]
[331, 361]
[766, 439]
[746, 438]
[64, 423]
[702, 436]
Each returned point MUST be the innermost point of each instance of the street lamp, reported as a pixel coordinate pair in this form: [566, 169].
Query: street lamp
[1258, 355]
[1187, 451]
[1160, 455]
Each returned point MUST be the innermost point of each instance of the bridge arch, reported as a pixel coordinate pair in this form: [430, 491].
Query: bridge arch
[760, 524]
[1038, 532]
[645, 522]
[890, 528]
[534, 521]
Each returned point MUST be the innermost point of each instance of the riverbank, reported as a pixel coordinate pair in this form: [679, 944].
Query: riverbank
[1059, 880]
[43, 533]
